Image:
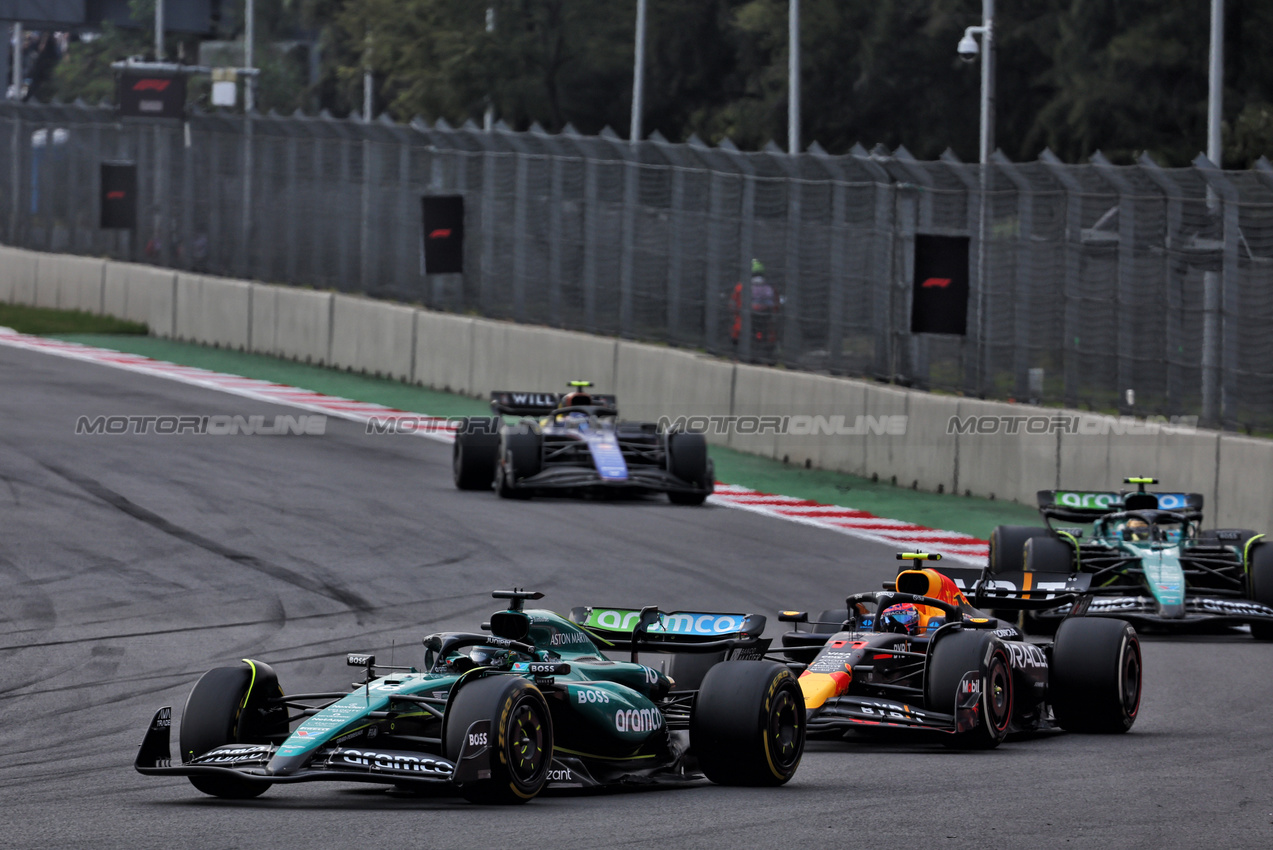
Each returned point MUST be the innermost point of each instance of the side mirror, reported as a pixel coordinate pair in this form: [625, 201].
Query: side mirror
[793, 616]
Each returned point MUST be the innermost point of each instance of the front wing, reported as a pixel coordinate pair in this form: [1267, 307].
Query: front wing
[845, 713]
[569, 477]
[1145, 610]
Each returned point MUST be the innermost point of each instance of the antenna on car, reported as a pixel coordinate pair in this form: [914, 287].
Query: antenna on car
[918, 556]
[580, 384]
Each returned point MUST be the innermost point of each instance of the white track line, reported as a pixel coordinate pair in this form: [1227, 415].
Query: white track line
[854, 523]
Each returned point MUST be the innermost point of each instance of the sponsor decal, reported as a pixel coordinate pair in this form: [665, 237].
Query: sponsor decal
[163, 720]
[833, 661]
[560, 775]
[592, 695]
[233, 755]
[678, 623]
[360, 660]
[397, 762]
[373, 731]
[477, 739]
[1008, 633]
[1026, 655]
[638, 720]
[534, 399]
[890, 711]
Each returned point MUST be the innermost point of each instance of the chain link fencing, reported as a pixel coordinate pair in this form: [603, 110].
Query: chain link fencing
[1087, 281]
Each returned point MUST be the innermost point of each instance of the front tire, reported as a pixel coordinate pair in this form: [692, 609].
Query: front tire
[521, 738]
[1094, 682]
[211, 719]
[956, 655]
[1260, 581]
[475, 452]
[748, 724]
[521, 450]
[687, 460]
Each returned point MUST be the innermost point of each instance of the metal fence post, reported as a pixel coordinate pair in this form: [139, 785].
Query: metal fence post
[245, 238]
[1023, 285]
[556, 237]
[746, 235]
[1126, 274]
[1172, 280]
[1073, 261]
[591, 213]
[1220, 338]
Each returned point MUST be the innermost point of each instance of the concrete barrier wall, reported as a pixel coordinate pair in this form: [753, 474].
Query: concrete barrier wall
[373, 337]
[832, 423]
[213, 311]
[444, 351]
[18, 276]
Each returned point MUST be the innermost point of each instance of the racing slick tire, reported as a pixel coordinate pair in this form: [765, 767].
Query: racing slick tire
[1045, 555]
[521, 451]
[521, 738]
[211, 719]
[687, 460]
[475, 453]
[747, 726]
[1007, 546]
[1094, 681]
[1260, 577]
[829, 622]
[951, 657]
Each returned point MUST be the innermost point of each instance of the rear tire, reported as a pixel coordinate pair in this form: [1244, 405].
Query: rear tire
[211, 719]
[1094, 682]
[521, 738]
[520, 452]
[687, 460]
[748, 724]
[955, 655]
[1007, 546]
[1260, 585]
[475, 453]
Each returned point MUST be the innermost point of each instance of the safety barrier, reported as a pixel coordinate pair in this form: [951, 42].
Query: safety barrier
[929, 442]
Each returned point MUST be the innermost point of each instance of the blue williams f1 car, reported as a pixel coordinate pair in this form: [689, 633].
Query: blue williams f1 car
[576, 443]
[497, 717]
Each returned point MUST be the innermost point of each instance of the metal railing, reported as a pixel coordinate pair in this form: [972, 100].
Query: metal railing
[1098, 278]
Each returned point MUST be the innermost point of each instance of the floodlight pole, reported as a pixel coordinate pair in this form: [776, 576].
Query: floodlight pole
[249, 39]
[17, 60]
[159, 30]
[488, 120]
[638, 75]
[793, 77]
[1215, 84]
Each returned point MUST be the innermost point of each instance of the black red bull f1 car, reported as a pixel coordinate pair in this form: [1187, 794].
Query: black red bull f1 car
[575, 442]
[918, 656]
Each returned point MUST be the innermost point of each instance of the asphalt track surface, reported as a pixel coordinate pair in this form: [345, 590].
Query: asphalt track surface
[131, 564]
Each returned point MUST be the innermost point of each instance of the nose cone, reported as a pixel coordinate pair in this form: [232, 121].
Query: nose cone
[820, 687]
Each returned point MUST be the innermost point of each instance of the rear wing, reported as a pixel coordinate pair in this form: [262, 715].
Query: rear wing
[1090, 505]
[678, 631]
[509, 403]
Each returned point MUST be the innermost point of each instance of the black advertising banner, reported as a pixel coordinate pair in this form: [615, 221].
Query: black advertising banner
[119, 195]
[940, 302]
[142, 95]
[443, 217]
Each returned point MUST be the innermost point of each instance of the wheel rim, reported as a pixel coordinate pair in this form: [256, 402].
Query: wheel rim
[784, 731]
[527, 743]
[1131, 678]
[998, 695]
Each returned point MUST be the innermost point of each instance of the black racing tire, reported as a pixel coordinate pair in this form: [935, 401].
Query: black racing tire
[1007, 546]
[521, 737]
[475, 453]
[1045, 555]
[834, 615]
[1260, 581]
[687, 460]
[211, 719]
[951, 658]
[747, 726]
[1094, 681]
[521, 450]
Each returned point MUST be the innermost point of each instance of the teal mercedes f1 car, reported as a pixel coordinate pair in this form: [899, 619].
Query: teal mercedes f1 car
[1150, 561]
[532, 703]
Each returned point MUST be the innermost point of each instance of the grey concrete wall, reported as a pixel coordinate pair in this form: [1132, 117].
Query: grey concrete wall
[476, 356]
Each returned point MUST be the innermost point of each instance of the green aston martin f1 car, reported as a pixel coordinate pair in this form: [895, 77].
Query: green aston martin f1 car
[1149, 559]
[534, 703]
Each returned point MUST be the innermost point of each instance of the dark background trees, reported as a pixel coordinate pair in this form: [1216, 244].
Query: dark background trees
[1121, 76]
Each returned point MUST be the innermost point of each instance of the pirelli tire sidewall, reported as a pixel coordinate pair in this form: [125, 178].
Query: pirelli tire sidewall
[952, 656]
[1260, 585]
[1094, 681]
[520, 741]
[747, 726]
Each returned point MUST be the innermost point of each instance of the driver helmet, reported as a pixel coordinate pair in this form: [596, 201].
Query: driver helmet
[488, 656]
[575, 399]
[1137, 529]
[902, 618]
